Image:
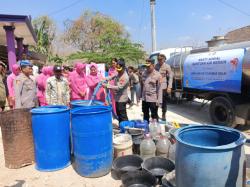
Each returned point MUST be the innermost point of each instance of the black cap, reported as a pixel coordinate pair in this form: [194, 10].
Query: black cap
[149, 62]
[121, 63]
[57, 68]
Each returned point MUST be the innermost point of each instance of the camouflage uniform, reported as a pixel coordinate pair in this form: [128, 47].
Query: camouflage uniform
[57, 91]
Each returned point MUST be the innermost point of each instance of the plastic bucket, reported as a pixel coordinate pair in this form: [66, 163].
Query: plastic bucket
[212, 156]
[142, 125]
[124, 164]
[125, 124]
[92, 140]
[51, 132]
[122, 145]
[138, 179]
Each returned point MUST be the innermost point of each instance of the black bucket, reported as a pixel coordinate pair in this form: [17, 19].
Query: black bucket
[138, 179]
[158, 166]
[122, 165]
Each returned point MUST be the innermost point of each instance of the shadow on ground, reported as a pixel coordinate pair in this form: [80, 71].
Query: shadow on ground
[20, 183]
[193, 111]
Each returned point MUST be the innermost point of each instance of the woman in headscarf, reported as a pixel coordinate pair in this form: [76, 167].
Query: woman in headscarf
[112, 72]
[41, 85]
[92, 81]
[50, 71]
[10, 83]
[78, 84]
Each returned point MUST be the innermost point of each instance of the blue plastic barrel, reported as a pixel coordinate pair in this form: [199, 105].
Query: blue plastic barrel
[209, 156]
[92, 140]
[85, 103]
[51, 132]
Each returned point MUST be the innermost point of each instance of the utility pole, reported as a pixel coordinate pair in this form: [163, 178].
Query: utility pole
[153, 26]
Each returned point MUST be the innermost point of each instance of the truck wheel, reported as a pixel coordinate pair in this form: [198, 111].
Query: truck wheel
[222, 111]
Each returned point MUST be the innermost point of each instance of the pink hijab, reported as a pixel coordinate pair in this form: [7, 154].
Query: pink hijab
[15, 69]
[92, 80]
[77, 82]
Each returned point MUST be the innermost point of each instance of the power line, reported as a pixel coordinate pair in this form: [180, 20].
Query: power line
[233, 7]
[64, 8]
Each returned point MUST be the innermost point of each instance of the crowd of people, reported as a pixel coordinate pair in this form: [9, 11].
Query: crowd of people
[56, 85]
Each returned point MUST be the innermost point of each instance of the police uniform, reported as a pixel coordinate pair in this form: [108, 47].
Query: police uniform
[166, 83]
[150, 87]
[25, 92]
[120, 87]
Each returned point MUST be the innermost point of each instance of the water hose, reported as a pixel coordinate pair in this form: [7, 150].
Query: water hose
[108, 99]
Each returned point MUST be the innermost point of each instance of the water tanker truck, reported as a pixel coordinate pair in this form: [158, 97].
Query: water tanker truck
[219, 74]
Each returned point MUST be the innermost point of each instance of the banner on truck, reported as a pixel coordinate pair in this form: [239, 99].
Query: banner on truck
[216, 71]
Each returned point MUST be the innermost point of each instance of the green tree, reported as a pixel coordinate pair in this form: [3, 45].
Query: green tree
[100, 38]
[56, 60]
[45, 31]
[92, 30]
[132, 53]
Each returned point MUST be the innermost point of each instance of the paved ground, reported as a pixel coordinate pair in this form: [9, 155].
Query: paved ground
[29, 177]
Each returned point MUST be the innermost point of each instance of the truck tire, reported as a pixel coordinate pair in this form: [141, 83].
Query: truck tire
[222, 111]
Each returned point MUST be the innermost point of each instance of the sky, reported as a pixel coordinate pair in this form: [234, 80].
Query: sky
[178, 22]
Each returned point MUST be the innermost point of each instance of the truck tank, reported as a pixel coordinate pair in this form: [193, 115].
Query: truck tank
[176, 62]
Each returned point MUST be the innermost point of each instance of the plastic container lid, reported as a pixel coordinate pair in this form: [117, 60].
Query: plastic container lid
[49, 109]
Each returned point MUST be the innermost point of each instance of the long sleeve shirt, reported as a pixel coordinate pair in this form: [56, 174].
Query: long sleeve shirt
[41, 84]
[78, 85]
[57, 91]
[10, 83]
[25, 92]
[92, 82]
[167, 75]
[150, 86]
[121, 83]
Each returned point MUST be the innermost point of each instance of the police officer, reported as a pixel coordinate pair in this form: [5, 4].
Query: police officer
[151, 80]
[166, 85]
[25, 87]
[121, 83]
